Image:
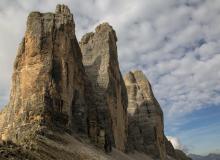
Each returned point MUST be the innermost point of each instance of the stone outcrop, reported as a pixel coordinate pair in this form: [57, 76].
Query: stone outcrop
[49, 81]
[145, 117]
[101, 64]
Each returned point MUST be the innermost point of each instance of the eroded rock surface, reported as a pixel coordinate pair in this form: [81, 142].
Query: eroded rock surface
[48, 83]
[101, 64]
[145, 117]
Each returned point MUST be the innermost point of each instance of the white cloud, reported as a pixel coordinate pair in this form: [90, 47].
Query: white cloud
[176, 143]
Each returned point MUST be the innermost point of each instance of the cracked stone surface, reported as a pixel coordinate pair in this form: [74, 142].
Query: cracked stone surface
[101, 64]
[145, 117]
[49, 82]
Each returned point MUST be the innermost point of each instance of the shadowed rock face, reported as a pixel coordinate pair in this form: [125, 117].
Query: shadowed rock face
[145, 117]
[101, 64]
[169, 148]
[180, 155]
[48, 83]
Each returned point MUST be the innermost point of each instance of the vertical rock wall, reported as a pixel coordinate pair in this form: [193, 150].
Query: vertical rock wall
[101, 64]
[145, 117]
[56, 87]
[48, 83]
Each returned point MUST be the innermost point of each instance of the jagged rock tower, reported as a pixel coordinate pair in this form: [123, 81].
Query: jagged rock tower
[145, 117]
[67, 99]
[48, 83]
[101, 64]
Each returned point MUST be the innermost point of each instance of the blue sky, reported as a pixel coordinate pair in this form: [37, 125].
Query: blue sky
[198, 131]
[175, 42]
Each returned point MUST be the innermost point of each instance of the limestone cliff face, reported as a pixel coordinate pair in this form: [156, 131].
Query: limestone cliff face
[145, 117]
[101, 64]
[68, 98]
[48, 83]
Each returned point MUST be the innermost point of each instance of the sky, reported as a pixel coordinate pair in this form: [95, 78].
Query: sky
[176, 43]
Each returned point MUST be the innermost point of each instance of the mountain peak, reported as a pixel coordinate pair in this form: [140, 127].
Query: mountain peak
[62, 9]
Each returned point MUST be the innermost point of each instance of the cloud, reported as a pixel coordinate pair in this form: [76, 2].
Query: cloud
[177, 143]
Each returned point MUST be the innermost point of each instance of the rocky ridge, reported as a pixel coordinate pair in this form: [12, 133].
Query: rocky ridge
[69, 100]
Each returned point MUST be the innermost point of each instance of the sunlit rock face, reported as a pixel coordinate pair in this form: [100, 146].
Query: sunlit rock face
[101, 64]
[145, 117]
[48, 83]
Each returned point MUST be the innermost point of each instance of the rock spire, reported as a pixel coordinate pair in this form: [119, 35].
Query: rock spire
[101, 64]
[145, 117]
[49, 81]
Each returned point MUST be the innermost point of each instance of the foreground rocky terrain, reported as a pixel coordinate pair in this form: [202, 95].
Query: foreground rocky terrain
[69, 100]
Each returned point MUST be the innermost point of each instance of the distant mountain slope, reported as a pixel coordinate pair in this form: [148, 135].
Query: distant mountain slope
[211, 156]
